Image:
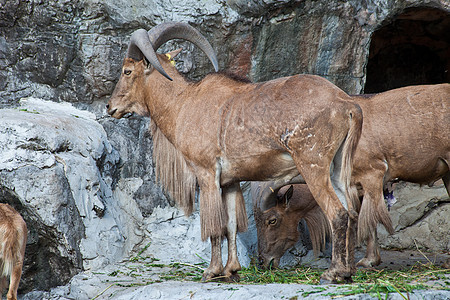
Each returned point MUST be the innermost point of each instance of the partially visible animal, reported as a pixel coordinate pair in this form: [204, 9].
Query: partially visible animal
[405, 136]
[277, 226]
[13, 239]
[220, 131]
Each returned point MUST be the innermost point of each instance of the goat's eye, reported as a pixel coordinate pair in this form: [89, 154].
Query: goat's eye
[127, 72]
[272, 221]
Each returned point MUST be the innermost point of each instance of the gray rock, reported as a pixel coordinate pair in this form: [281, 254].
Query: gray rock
[48, 170]
[421, 218]
[72, 51]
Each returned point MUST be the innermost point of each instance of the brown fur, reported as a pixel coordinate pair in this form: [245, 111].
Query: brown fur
[405, 136]
[13, 239]
[277, 226]
[229, 131]
[172, 171]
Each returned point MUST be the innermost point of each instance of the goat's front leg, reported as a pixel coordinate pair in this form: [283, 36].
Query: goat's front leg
[215, 268]
[235, 204]
[373, 211]
[213, 220]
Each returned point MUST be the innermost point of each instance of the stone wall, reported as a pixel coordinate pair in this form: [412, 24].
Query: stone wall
[72, 50]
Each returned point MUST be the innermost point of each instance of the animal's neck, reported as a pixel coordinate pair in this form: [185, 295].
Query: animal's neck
[165, 102]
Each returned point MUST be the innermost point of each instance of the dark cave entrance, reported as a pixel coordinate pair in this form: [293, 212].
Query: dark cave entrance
[412, 49]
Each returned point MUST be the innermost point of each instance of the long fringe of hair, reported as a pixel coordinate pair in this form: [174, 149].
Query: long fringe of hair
[174, 175]
[172, 171]
[319, 229]
[373, 211]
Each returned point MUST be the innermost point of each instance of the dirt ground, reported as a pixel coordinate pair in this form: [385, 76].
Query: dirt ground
[401, 259]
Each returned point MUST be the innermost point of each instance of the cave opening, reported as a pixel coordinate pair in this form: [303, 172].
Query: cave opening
[413, 48]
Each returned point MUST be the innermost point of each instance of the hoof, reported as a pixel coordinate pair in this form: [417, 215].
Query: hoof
[339, 280]
[209, 276]
[334, 278]
[446, 265]
[347, 280]
[234, 277]
[368, 263]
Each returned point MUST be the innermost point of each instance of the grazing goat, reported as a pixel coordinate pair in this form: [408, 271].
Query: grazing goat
[13, 239]
[405, 136]
[277, 219]
[220, 131]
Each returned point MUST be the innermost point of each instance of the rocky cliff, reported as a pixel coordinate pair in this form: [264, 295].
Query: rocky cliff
[85, 183]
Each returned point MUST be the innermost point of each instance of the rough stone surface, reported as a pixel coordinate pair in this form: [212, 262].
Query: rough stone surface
[421, 218]
[49, 171]
[72, 50]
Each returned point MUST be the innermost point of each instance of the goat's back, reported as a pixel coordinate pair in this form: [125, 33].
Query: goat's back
[409, 128]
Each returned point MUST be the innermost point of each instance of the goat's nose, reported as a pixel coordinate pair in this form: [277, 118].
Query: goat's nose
[107, 106]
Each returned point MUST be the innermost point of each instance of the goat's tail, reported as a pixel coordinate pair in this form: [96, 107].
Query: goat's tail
[348, 151]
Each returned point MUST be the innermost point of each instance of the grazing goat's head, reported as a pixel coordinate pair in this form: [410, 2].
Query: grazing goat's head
[141, 61]
[277, 231]
[277, 215]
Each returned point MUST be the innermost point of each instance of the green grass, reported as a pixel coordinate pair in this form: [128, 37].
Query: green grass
[29, 111]
[375, 282]
[366, 281]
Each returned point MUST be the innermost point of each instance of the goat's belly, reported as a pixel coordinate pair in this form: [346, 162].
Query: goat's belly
[425, 171]
[257, 168]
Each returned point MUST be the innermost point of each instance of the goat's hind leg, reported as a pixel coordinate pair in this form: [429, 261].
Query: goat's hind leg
[14, 282]
[342, 228]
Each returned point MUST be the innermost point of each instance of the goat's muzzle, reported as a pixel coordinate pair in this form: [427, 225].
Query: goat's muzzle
[110, 111]
[267, 264]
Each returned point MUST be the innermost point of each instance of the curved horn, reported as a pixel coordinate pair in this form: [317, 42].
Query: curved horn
[162, 33]
[140, 46]
[264, 194]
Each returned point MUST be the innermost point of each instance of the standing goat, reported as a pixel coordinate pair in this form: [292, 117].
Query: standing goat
[13, 239]
[405, 136]
[220, 131]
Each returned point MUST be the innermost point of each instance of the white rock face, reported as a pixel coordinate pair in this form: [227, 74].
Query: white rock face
[50, 154]
[56, 160]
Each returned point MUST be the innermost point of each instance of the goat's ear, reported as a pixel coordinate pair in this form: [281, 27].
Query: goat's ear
[173, 53]
[288, 195]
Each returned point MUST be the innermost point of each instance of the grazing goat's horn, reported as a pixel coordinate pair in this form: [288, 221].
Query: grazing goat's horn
[267, 191]
[162, 33]
[263, 195]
